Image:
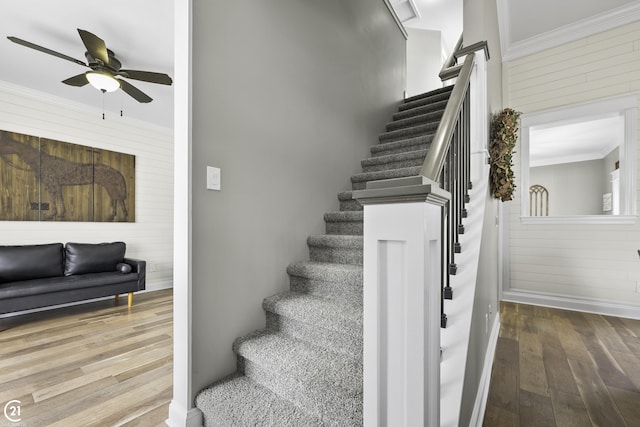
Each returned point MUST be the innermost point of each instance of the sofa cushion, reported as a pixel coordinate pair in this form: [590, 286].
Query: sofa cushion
[30, 262]
[64, 284]
[84, 258]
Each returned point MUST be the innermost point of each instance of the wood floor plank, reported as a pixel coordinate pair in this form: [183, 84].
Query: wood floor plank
[509, 325]
[505, 376]
[556, 367]
[591, 364]
[633, 344]
[606, 365]
[628, 402]
[527, 321]
[569, 339]
[620, 327]
[630, 364]
[633, 325]
[113, 401]
[498, 417]
[535, 410]
[60, 359]
[607, 334]
[92, 364]
[541, 312]
[569, 409]
[601, 408]
[532, 372]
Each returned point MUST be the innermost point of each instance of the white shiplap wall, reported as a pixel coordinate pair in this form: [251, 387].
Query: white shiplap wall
[590, 267]
[150, 237]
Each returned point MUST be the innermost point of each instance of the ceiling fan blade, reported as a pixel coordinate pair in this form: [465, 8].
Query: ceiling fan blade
[45, 50]
[78, 81]
[95, 46]
[134, 92]
[147, 76]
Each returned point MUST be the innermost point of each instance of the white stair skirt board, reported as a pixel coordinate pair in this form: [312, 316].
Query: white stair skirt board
[477, 417]
[454, 339]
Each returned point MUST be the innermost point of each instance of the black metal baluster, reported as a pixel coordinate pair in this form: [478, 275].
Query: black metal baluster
[444, 274]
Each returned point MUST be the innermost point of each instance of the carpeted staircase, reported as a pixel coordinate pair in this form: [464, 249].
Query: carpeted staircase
[305, 367]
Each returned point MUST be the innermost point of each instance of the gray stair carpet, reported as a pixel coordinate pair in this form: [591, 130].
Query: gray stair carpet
[305, 367]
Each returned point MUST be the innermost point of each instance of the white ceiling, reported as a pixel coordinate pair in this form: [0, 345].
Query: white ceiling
[579, 141]
[139, 32]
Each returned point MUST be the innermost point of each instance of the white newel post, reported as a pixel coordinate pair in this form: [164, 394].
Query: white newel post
[402, 223]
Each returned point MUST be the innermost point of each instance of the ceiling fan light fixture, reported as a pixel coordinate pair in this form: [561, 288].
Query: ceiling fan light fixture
[103, 81]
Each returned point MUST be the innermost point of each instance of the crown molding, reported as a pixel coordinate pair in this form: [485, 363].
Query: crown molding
[580, 29]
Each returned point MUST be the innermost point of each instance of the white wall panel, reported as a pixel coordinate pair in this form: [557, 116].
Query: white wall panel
[598, 262]
[150, 237]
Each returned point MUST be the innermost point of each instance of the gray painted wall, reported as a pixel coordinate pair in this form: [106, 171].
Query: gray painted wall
[481, 23]
[424, 60]
[288, 97]
[574, 188]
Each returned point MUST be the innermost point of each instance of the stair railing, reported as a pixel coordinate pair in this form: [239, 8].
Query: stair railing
[448, 160]
[404, 227]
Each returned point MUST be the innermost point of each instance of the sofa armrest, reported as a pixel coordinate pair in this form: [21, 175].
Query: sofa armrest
[138, 266]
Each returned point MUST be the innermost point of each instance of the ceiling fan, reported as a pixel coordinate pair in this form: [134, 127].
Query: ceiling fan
[106, 72]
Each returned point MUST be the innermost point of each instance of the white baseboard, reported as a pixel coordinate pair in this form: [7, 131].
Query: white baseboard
[477, 416]
[564, 302]
[180, 417]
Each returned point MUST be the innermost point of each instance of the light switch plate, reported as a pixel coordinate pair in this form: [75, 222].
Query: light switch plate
[213, 178]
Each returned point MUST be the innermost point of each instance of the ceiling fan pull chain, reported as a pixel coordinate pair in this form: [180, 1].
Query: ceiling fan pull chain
[103, 105]
[121, 103]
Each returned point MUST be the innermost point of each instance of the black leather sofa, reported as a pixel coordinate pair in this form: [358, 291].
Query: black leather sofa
[35, 276]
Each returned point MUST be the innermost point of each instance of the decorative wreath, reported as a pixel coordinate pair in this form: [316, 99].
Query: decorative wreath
[504, 133]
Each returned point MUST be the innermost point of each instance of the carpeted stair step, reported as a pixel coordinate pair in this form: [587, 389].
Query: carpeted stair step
[238, 401]
[322, 383]
[421, 142]
[422, 119]
[423, 109]
[426, 98]
[359, 181]
[347, 202]
[333, 281]
[334, 325]
[344, 222]
[394, 161]
[409, 132]
[335, 248]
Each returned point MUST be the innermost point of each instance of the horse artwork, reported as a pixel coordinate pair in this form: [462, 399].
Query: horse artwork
[63, 182]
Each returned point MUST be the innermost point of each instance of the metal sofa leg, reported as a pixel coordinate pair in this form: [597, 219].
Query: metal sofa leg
[130, 301]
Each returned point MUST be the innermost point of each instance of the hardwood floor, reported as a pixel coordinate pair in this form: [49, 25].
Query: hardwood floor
[564, 368]
[96, 364]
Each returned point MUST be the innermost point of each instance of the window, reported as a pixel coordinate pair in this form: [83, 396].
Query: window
[585, 156]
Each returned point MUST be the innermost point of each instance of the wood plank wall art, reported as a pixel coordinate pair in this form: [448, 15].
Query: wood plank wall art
[46, 180]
